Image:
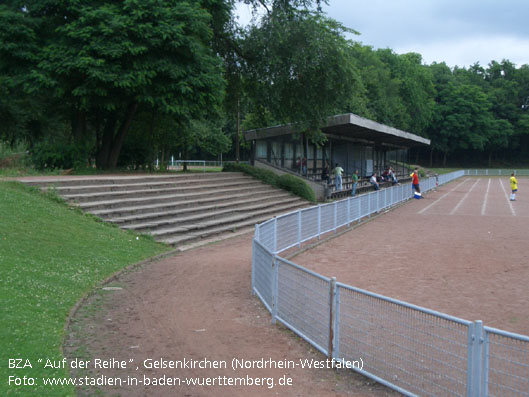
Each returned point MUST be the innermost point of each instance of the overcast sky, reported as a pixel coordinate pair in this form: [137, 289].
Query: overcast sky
[458, 32]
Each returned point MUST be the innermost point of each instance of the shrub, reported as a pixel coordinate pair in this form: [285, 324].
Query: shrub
[297, 186]
[287, 182]
[58, 155]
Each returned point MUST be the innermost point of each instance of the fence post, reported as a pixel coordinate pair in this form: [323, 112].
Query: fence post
[319, 222]
[275, 236]
[349, 211]
[485, 376]
[253, 265]
[332, 290]
[256, 237]
[336, 332]
[275, 282]
[368, 205]
[335, 216]
[299, 228]
[359, 208]
[475, 357]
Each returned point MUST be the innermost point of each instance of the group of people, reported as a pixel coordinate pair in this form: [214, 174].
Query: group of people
[338, 172]
[388, 176]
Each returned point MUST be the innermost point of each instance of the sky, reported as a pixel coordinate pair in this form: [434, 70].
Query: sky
[457, 32]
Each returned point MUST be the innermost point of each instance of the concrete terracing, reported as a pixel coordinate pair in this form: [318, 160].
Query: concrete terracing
[184, 210]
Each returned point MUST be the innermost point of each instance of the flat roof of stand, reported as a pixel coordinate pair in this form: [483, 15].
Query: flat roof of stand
[349, 126]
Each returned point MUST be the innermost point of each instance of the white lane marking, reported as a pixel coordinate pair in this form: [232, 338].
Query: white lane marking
[464, 198]
[440, 198]
[485, 200]
[508, 198]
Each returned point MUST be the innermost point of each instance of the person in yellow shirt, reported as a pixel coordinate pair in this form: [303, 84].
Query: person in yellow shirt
[514, 187]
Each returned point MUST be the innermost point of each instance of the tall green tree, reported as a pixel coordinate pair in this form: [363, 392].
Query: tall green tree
[298, 68]
[106, 60]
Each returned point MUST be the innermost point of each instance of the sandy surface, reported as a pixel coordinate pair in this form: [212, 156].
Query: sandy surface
[462, 250]
[198, 305]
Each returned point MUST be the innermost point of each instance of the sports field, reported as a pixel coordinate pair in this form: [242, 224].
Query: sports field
[461, 250]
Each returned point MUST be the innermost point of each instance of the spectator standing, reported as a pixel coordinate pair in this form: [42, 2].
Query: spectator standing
[355, 182]
[415, 180]
[338, 172]
[514, 187]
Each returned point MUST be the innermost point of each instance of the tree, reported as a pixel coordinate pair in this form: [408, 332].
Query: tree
[298, 68]
[463, 119]
[107, 60]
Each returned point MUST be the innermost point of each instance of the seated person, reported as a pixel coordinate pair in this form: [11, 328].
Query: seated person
[374, 181]
[392, 176]
[385, 175]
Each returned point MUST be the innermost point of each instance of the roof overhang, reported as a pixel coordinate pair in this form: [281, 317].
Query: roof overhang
[349, 126]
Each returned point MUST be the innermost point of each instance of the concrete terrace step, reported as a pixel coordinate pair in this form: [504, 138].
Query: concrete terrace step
[155, 224]
[119, 187]
[186, 210]
[146, 208]
[122, 179]
[135, 218]
[237, 224]
[119, 195]
[162, 198]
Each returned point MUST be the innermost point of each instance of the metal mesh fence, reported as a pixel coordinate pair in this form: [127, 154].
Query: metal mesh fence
[342, 217]
[364, 205]
[309, 223]
[416, 350]
[262, 274]
[355, 209]
[497, 172]
[287, 231]
[266, 234]
[411, 349]
[506, 364]
[303, 303]
[373, 202]
[327, 218]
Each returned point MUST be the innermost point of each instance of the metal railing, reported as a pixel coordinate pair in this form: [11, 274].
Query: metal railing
[411, 349]
[497, 172]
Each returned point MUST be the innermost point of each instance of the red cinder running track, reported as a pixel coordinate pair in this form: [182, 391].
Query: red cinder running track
[463, 250]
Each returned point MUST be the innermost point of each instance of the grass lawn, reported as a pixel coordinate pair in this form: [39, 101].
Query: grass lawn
[50, 256]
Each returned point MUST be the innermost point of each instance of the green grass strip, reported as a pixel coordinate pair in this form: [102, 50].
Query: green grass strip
[50, 257]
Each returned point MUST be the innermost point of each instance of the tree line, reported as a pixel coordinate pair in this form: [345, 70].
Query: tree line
[125, 83]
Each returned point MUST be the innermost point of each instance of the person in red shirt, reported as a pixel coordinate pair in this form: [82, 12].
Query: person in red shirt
[415, 180]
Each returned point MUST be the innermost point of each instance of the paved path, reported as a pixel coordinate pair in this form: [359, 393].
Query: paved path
[198, 305]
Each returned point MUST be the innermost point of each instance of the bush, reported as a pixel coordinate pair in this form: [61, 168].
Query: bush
[296, 186]
[58, 155]
[13, 156]
[287, 182]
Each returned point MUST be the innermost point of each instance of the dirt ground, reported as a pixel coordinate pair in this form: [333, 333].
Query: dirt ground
[462, 250]
[198, 305]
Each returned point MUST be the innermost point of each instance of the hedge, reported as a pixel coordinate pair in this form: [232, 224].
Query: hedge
[295, 185]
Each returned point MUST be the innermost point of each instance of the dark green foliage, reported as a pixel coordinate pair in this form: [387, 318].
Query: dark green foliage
[298, 68]
[48, 155]
[286, 182]
[264, 175]
[151, 77]
[296, 186]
